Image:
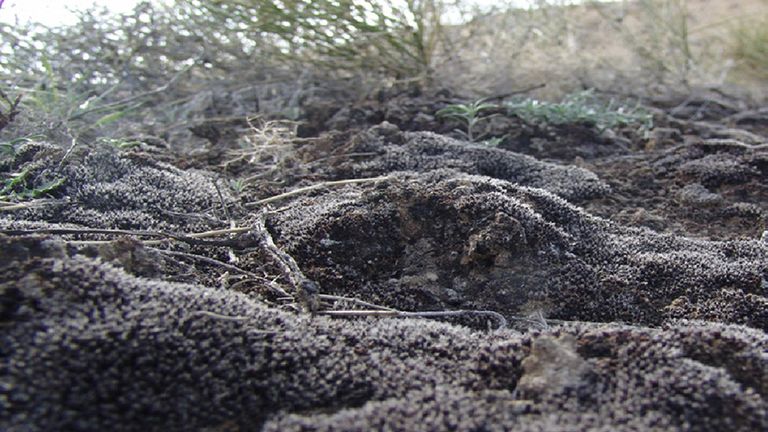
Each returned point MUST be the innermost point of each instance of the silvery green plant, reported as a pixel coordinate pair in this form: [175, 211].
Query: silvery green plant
[582, 107]
[469, 114]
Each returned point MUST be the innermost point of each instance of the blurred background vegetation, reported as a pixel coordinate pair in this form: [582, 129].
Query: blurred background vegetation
[166, 70]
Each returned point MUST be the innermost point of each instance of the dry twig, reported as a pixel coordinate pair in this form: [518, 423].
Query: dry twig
[10, 206]
[313, 187]
[732, 143]
[274, 287]
[221, 317]
[354, 301]
[306, 289]
[191, 238]
[501, 321]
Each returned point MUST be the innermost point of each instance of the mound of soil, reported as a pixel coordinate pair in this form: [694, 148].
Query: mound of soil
[444, 240]
[107, 188]
[90, 347]
[391, 150]
[129, 301]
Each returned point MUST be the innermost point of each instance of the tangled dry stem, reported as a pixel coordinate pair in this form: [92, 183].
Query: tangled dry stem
[266, 146]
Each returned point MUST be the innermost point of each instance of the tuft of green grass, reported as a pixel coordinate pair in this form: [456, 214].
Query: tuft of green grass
[469, 115]
[17, 187]
[582, 107]
[238, 186]
[400, 41]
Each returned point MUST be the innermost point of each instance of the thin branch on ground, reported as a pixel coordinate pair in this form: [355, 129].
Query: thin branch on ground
[232, 223]
[354, 301]
[313, 187]
[741, 135]
[274, 287]
[216, 233]
[220, 317]
[237, 285]
[70, 149]
[499, 318]
[197, 216]
[306, 289]
[10, 206]
[191, 238]
[224, 205]
[732, 143]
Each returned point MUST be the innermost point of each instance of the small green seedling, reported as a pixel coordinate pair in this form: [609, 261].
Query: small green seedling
[469, 114]
[16, 187]
[237, 185]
